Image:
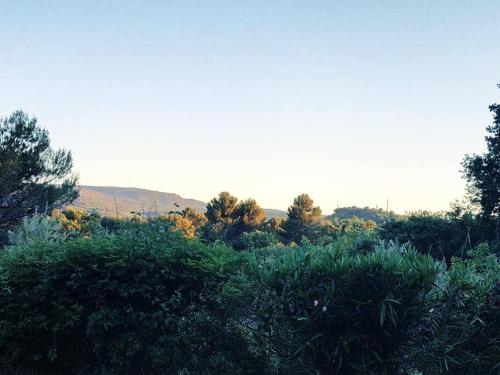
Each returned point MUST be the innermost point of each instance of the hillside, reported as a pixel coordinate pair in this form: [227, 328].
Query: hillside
[110, 200]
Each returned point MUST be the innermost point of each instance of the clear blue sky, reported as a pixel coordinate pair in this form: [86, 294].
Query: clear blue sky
[350, 101]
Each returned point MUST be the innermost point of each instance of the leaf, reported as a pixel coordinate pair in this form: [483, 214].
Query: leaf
[302, 318]
[316, 337]
[381, 312]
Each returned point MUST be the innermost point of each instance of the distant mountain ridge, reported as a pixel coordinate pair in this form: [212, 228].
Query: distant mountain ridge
[111, 200]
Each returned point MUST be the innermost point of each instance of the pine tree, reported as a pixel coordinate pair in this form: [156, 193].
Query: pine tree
[33, 176]
[483, 171]
[303, 220]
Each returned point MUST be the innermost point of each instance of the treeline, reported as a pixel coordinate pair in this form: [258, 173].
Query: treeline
[377, 215]
[34, 178]
[243, 226]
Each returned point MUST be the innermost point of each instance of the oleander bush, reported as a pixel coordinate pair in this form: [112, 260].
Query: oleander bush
[142, 300]
[461, 334]
[323, 310]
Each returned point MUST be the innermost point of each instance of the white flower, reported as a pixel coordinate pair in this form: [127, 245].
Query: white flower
[324, 309]
[315, 303]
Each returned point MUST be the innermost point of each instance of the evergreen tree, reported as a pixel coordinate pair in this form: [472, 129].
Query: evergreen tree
[220, 215]
[304, 220]
[483, 171]
[221, 208]
[247, 217]
[33, 176]
[228, 219]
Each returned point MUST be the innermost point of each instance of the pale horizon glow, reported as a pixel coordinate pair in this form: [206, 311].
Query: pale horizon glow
[351, 102]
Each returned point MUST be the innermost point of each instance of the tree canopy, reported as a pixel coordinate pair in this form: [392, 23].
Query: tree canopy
[483, 171]
[33, 176]
[303, 219]
[221, 208]
[377, 215]
[247, 217]
[228, 219]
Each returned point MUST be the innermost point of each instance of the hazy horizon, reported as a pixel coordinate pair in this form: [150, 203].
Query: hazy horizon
[80, 185]
[350, 102]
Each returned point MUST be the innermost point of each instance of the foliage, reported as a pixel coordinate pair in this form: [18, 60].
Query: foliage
[143, 300]
[377, 215]
[228, 219]
[221, 208]
[247, 217]
[461, 334]
[356, 234]
[33, 177]
[304, 220]
[197, 218]
[180, 223]
[139, 297]
[37, 228]
[257, 240]
[483, 171]
[325, 311]
[275, 225]
[75, 221]
[441, 235]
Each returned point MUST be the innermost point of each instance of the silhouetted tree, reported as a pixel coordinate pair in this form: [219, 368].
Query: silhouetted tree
[483, 171]
[483, 175]
[303, 220]
[33, 176]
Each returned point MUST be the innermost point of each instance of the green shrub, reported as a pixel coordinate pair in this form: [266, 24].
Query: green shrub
[143, 300]
[442, 236]
[77, 222]
[461, 334]
[35, 229]
[325, 311]
[256, 240]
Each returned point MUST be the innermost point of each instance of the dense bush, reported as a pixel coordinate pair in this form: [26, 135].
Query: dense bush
[325, 311]
[256, 240]
[441, 235]
[462, 330]
[377, 215]
[141, 300]
[35, 229]
[76, 222]
[356, 235]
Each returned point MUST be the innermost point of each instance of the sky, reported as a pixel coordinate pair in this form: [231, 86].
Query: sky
[353, 102]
